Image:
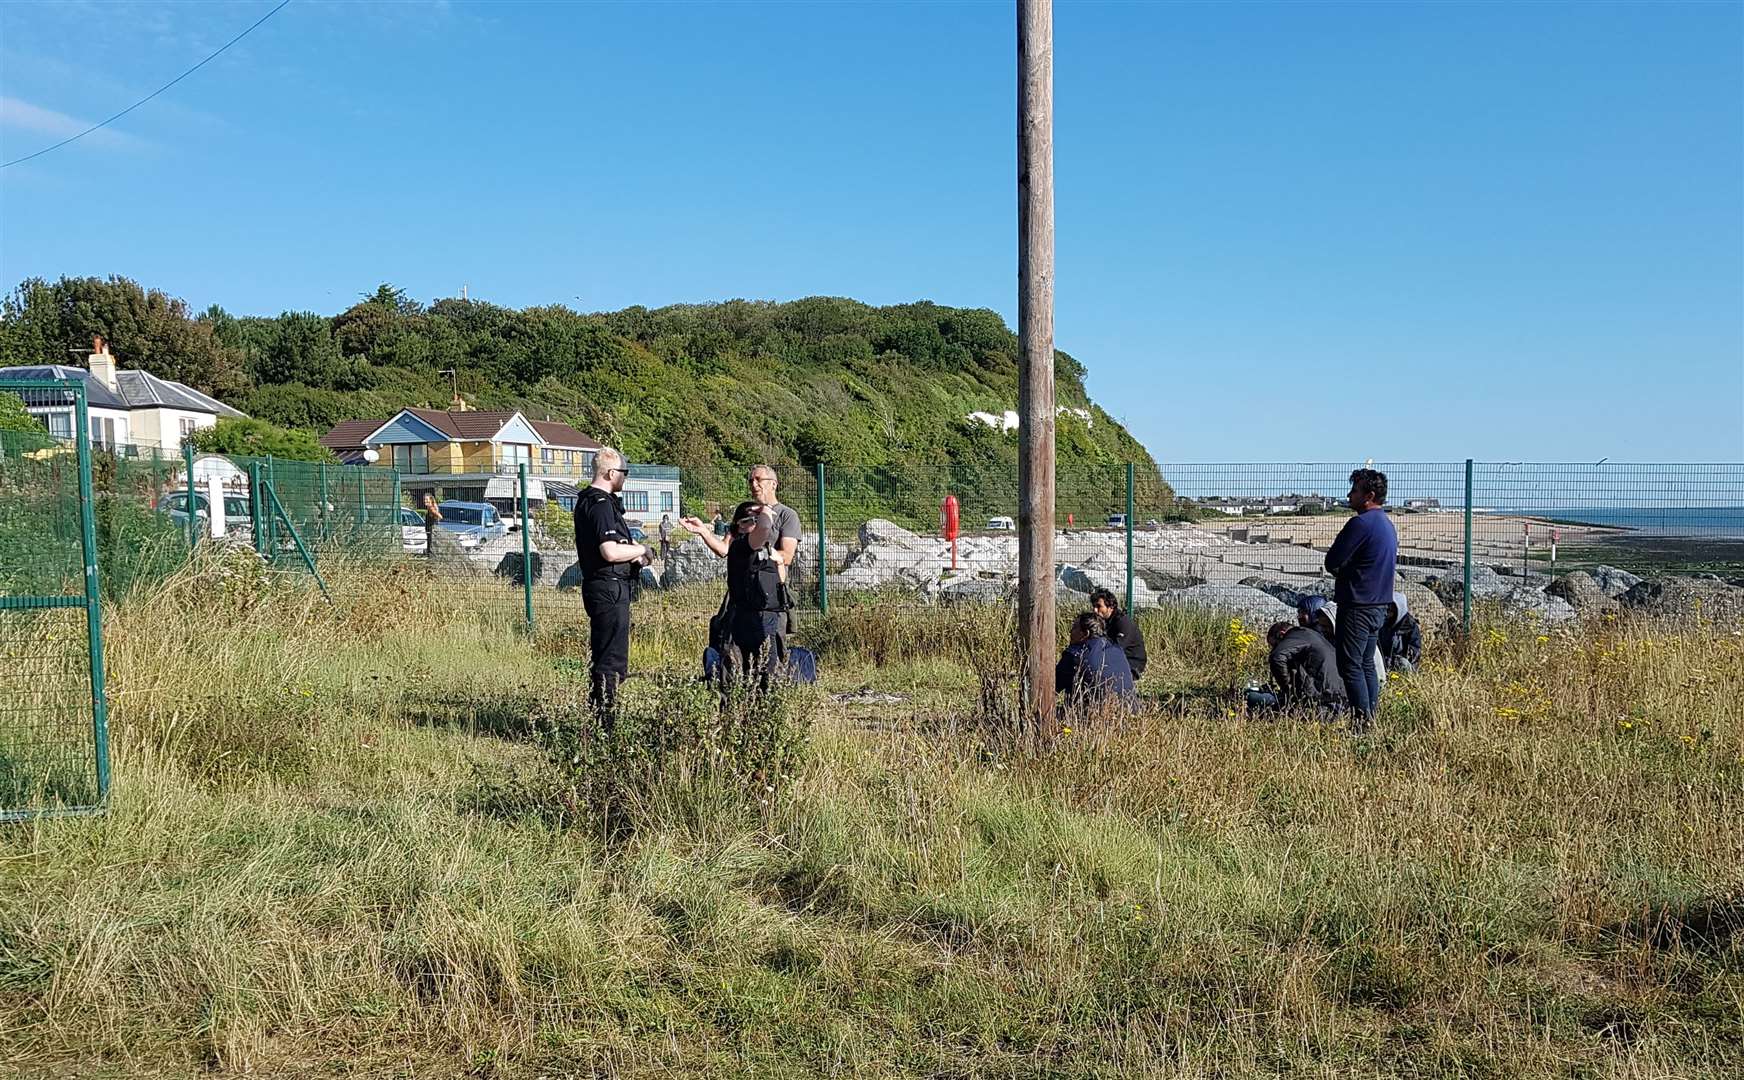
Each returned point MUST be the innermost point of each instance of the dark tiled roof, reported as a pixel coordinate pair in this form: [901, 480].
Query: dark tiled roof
[134, 390]
[142, 389]
[471, 424]
[348, 434]
[556, 434]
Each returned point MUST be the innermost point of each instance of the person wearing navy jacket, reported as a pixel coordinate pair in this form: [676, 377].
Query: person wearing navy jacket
[1093, 670]
[1362, 560]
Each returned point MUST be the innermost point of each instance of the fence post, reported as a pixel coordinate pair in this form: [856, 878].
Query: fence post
[1465, 593]
[1129, 511]
[256, 518]
[526, 545]
[823, 561]
[93, 595]
[321, 522]
[193, 525]
[363, 507]
[394, 526]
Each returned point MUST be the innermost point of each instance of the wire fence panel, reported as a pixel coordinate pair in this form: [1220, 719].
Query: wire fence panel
[1647, 518]
[53, 720]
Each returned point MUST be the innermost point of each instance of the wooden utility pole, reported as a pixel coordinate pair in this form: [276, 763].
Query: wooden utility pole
[1035, 385]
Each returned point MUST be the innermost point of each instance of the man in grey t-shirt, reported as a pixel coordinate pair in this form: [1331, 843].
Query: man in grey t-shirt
[783, 536]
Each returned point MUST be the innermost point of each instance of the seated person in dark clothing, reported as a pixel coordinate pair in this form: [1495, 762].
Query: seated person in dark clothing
[1304, 668]
[1122, 629]
[1401, 639]
[1093, 669]
[1311, 611]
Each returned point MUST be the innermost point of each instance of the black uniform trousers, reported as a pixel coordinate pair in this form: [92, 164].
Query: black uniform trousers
[607, 602]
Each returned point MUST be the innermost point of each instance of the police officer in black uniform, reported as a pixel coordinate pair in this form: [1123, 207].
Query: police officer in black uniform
[610, 562]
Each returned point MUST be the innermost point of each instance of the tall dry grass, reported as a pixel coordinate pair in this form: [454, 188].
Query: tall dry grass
[338, 848]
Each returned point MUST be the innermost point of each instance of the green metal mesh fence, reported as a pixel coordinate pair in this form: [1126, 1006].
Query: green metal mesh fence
[53, 735]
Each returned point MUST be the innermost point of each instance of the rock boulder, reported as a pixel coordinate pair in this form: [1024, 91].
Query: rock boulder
[1258, 608]
[1686, 598]
[1582, 592]
[1614, 582]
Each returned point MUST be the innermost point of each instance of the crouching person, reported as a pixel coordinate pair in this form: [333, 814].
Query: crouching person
[1401, 639]
[1304, 669]
[1093, 671]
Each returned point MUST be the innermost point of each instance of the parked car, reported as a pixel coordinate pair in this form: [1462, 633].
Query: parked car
[1001, 524]
[412, 538]
[1117, 521]
[236, 512]
[478, 520]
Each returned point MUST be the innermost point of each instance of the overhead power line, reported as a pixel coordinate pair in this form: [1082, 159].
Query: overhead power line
[148, 97]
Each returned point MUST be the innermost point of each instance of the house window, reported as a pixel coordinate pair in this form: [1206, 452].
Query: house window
[587, 463]
[635, 502]
[512, 455]
[547, 455]
[413, 459]
[187, 424]
[60, 422]
[666, 506]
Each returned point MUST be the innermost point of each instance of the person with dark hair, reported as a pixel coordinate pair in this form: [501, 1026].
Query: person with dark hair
[1362, 559]
[1311, 611]
[1401, 639]
[1122, 629]
[1093, 669]
[1304, 670]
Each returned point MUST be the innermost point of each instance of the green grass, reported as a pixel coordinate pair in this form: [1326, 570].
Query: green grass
[339, 848]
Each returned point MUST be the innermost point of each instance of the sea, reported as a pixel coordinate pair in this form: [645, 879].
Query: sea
[1705, 521]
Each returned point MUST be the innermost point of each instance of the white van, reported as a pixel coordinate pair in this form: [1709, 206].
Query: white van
[1001, 524]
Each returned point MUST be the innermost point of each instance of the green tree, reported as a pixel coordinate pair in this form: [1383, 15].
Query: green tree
[14, 418]
[147, 329]
[257, 438]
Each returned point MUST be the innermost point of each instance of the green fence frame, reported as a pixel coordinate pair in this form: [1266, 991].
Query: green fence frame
[90, 599]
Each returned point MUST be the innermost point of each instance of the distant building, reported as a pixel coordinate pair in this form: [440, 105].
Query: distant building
[475, 455]
[1423, 504]
[127, 409]
[1238, 505]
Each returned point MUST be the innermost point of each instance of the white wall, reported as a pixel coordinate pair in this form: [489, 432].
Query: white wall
[94, 413]
[162, 426]
[654, 489]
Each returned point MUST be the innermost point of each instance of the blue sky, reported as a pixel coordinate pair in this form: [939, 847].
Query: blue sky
[1298, 232]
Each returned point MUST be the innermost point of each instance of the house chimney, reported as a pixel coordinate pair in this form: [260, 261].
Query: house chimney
[102, 362]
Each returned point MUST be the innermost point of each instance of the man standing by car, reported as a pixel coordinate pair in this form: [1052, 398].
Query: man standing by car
[610, 561]
[1362, 560]
[432, 517]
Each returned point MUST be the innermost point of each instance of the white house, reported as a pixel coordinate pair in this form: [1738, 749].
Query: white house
[125, 408]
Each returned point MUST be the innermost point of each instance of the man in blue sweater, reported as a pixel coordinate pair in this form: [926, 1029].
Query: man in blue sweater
[1362, 560]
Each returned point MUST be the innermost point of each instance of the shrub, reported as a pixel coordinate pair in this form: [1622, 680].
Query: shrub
[680, 753]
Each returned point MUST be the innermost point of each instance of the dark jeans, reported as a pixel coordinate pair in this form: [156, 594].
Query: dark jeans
[760, 639]
[1359, 628]
[607, 603]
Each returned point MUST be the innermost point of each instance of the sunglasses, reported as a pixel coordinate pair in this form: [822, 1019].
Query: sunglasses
[626, 472]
